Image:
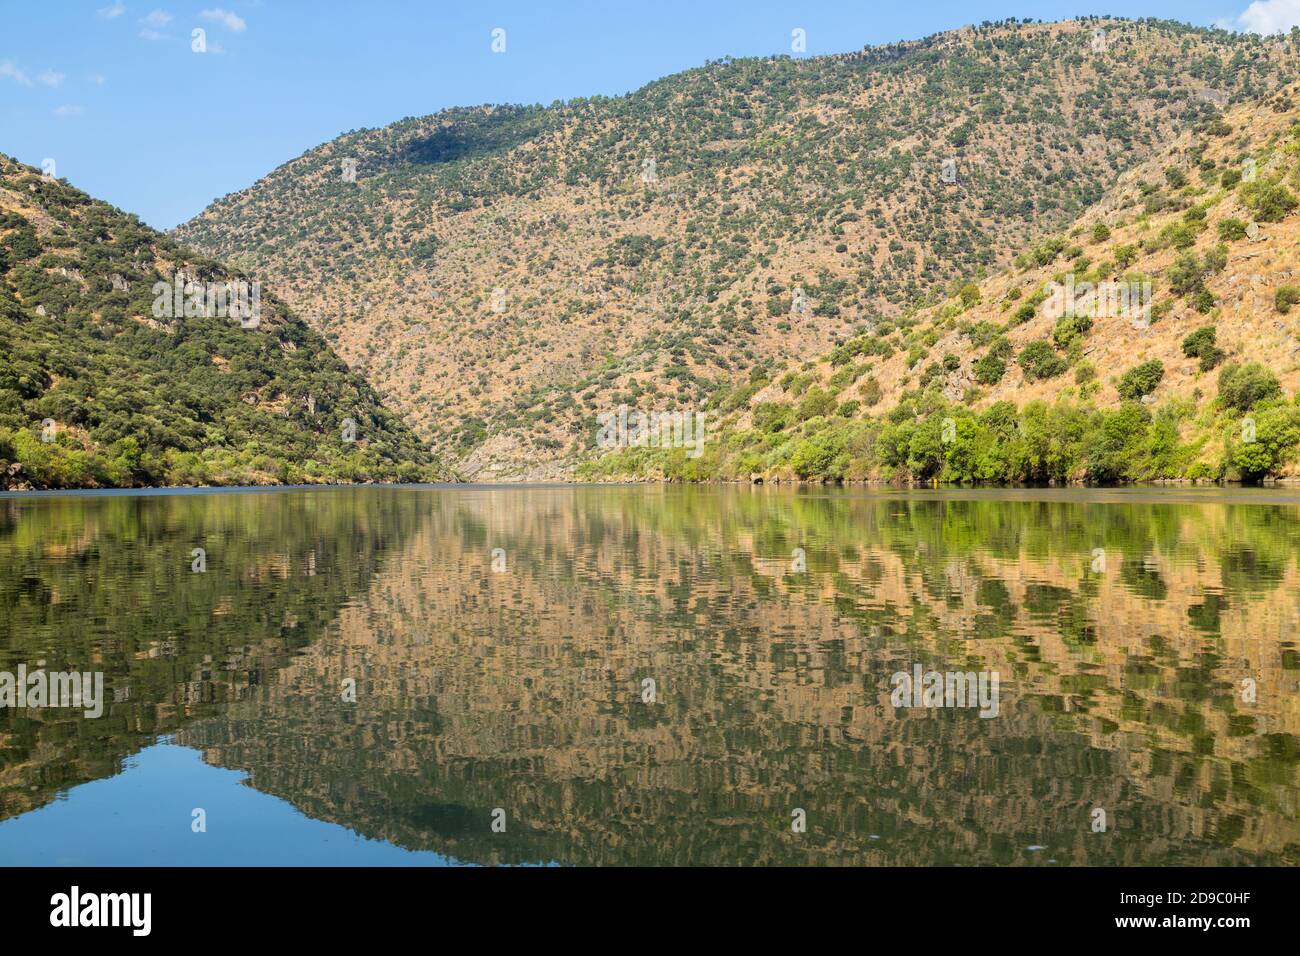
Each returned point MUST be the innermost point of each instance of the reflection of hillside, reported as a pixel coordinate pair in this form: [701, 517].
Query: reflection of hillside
[106, 584]
[521, 690]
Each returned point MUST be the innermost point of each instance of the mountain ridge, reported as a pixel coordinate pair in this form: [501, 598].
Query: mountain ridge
[502, 275]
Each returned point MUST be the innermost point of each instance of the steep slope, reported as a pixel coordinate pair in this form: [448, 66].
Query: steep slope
[1043, 372]
[104, 381]
[503, 275]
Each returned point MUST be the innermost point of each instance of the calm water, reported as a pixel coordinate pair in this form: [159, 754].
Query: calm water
[1128, 629]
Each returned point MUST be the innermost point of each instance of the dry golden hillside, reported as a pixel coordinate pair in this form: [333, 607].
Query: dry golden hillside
[1142, 213]
[1155, 338]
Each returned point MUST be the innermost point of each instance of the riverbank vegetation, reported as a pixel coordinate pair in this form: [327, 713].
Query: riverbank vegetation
[1249, 433]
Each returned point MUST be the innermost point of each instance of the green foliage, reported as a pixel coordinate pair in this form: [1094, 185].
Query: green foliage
[1268, 199]
[871, 392]
[1201, 344]
[989, 369]
[1125, 255]
[1114, 444]
[1141, 380]
[1186, 274]
[772, 416]
[1231, 229]
[1070, 328]
[1039, 360]
[1242, 387]
[816, 403]
[1285, 297]
[141, 400]
[1263, 445]
[1216, 259]
[821, 456]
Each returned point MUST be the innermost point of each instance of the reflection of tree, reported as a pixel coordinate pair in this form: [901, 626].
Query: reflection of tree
[106, 584]
[520, 691]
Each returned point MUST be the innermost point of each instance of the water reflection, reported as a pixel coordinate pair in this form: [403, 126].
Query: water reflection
[1123, 627]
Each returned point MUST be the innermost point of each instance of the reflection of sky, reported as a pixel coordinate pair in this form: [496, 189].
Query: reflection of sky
[142, 816]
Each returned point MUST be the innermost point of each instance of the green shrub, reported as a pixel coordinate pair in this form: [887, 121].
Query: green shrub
[771, 417]
[1125, 255]
[871, 392]
[1275, 433]
[1286, 296]
[1039, 360]
[817, 402]
[1269, 200]
[1114, 443]
[820, 456]
[989, 369]
[1201, 345]
[1069, 328]
[1244, 386]
[1185, 275]
[1231, 230]
[1141, 380]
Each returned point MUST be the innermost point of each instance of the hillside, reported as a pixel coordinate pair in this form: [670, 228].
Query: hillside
[1033, 375]
[104, 382]
[503, 275]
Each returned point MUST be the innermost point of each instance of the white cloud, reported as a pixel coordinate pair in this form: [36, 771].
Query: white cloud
[231, 21]
[152, 25]
[11, 71]
[109, 13]
[51, 78]
[68, 110]
[98, 79]
[1269, 16]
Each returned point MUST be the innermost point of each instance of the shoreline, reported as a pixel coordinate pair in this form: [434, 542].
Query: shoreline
[1282, 483]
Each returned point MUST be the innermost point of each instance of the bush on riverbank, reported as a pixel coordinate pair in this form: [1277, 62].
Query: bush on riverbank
[926, 438]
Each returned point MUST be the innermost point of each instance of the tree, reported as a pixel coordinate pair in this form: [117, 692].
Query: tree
[1185, 275]
[821, 456]
[1286, 296]
[989, 369]
[1244, 386]
[1272, 443]
[1039, 360]
[1114, 441]
[1270, 201]
[1141, 380]
[1231, 230]
[818, 402]
[925, 450]
[1201, 345]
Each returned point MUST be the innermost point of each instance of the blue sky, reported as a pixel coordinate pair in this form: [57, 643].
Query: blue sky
[113, 93]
